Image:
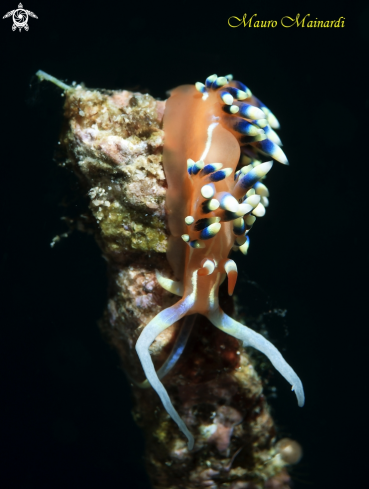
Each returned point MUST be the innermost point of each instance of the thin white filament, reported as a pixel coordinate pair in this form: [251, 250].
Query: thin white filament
[161, 322]
[257, 341]
[175, 354]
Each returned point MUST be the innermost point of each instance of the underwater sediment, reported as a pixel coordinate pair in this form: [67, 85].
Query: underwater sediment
[113, 142]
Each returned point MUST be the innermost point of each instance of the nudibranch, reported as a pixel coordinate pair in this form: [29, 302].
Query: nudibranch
[218, 137]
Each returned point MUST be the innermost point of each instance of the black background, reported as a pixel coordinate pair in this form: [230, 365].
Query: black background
[65, 401]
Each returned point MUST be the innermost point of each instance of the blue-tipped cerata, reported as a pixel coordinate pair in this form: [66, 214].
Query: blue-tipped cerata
[272, 149]
[208, 169]
[219, 82]
[241, 86]
[249, 179]
[209, 80]
[210, 231]
[239, 227]
[250, 111]
[218, 176]
[236, 93]
[244, 127]
[197, 167]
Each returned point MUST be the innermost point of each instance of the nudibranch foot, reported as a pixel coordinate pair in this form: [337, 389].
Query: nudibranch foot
[250, 337]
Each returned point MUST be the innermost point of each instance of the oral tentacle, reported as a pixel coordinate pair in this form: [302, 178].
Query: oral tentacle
[161, 322]
[251, 338]
[178, 347]
[170, 285]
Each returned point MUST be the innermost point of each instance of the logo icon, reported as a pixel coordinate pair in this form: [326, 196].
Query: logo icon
[20, 18]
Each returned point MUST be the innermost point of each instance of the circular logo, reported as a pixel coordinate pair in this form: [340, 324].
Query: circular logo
[20, 18]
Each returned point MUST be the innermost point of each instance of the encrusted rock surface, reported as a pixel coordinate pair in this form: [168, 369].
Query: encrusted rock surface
[114, 143]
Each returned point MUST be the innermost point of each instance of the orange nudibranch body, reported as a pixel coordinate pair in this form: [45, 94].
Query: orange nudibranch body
[186, 124]
[217, 138]
[208, 125]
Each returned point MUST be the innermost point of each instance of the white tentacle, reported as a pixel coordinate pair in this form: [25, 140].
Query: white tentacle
[256, 340]
[175, 354]
[170, 285]
[161, 322]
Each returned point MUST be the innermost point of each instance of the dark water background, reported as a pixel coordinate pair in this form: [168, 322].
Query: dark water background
[65, 402]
